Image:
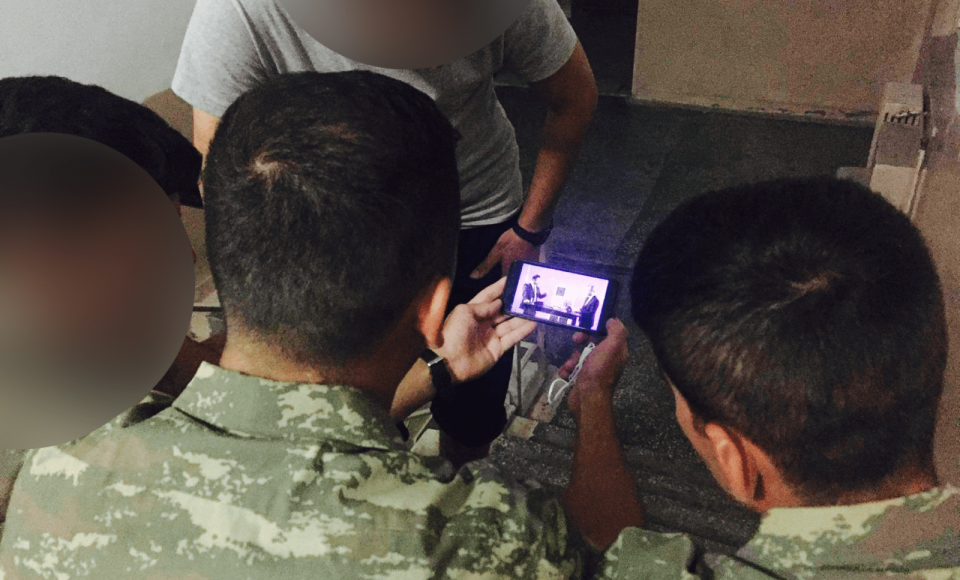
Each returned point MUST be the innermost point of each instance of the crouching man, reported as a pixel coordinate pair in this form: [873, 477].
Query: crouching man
[800, 326]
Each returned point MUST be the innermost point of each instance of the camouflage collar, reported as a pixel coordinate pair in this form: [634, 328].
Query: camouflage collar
[251, 407]
[904, 534]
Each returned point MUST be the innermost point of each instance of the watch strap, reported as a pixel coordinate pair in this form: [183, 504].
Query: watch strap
[535, 239]
[439, 374]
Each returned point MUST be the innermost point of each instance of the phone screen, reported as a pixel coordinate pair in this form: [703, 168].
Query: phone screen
[560, 297]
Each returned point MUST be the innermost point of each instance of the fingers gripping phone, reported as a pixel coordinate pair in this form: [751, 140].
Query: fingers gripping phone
[560, 297]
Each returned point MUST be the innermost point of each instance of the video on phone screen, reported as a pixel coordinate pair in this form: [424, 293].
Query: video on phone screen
[560, 297]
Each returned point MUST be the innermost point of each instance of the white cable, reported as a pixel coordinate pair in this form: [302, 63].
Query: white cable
[552, 395]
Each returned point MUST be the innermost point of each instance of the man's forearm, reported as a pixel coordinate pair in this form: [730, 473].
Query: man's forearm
[562, 139]
[601, 498]
[415, 391]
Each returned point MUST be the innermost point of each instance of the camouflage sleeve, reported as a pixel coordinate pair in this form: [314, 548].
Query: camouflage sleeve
[639, 553]
[508, 531]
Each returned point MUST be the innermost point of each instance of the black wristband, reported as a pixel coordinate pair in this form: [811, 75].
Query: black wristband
[439, 374]
[535, 239]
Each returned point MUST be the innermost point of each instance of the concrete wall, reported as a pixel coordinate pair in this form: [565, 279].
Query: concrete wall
[828, 56]
[128, 47]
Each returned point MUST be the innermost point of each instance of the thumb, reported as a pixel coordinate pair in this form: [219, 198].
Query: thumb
[567, 369]
[616, 329]
[487, 310]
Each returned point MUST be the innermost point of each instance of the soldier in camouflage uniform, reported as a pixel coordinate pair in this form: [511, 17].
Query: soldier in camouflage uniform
[332, 216]
[59, 105]
[800, 326]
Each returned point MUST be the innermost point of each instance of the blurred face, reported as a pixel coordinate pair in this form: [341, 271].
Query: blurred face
[78, 271]
[95, 286]
[405, 34]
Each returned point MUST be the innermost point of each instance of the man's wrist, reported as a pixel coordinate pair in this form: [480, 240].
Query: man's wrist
[448, 364]
[593, 403]
[441, 377]
[534, 224]
[533, 237]
[424, 378]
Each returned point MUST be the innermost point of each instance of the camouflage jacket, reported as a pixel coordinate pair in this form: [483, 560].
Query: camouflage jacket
[913, 537]
[243, 478]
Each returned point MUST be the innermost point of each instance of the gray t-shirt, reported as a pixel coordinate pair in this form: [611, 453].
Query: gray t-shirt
[233, 45]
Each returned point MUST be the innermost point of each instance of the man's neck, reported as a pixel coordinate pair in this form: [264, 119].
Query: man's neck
[891, 489]
[376, 376]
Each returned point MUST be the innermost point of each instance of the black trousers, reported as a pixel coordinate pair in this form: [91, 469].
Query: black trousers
[476, 416]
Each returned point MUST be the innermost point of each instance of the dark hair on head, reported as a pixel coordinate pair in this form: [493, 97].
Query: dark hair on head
[332, 202]
[51, 104]
[806, 315]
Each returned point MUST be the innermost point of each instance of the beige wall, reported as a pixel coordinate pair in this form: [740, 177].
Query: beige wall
[938, 212]
[127, 46]
[938, 216]
[797, 56]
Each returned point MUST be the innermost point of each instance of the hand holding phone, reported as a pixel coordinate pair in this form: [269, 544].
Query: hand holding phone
[600, 371]
[475, 335]
[559, 385]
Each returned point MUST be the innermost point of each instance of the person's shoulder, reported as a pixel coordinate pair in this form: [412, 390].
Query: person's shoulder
[506, 525]
[937, 510]
[640, 553]
[643, 553]
[536, 11]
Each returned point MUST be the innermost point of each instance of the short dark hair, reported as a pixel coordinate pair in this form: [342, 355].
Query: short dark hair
[332, 202]
[806, 315]
[52, 104]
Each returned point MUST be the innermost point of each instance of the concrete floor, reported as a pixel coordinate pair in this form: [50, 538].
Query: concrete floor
[637, 164]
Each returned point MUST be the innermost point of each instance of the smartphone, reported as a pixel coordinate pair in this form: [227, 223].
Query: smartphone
[560, 297]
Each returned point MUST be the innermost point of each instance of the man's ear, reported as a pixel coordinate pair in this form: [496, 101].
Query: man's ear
[433, 310]
[735, 462]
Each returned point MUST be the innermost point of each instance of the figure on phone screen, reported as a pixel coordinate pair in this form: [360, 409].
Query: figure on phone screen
[589, 310]
[532, 296]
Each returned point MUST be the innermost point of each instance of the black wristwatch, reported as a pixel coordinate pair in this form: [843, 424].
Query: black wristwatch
[535, 239]
[439, 374]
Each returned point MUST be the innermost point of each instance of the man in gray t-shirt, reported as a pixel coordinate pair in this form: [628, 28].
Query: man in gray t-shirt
[233, 45]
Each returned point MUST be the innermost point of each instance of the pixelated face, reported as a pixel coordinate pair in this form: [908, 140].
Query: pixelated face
[96, 286]
[80, 270]
[405, 34]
